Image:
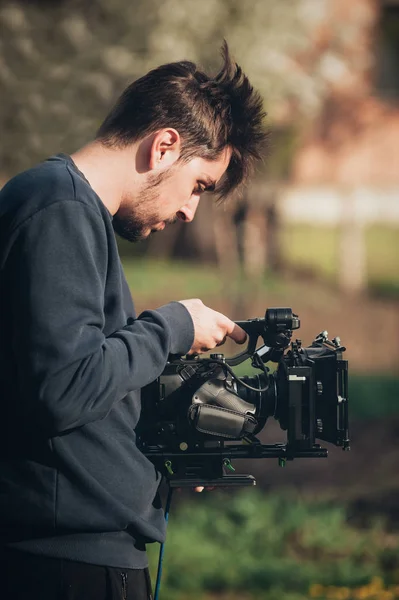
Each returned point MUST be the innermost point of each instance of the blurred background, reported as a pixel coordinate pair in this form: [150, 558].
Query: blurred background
[316, 229]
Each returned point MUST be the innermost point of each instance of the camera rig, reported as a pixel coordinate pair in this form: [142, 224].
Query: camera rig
[199, 415]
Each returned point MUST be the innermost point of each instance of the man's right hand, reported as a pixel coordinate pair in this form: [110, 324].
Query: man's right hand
[210, 327]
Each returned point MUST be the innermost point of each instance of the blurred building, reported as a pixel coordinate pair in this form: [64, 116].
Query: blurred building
[354, 139]
[345, 169]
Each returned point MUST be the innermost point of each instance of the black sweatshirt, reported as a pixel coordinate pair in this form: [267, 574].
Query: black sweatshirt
[73, 357]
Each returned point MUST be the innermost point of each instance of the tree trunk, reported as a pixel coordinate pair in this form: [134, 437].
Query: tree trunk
[352, 269]
[254, 245]
[226, 240]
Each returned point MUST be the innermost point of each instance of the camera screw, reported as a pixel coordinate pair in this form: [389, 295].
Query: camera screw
[217, 356]
[168, 465]
[183, 446]
[228, 465]
[322, 337]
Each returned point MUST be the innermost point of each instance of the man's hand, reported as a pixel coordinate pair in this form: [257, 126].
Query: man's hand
[210, 327]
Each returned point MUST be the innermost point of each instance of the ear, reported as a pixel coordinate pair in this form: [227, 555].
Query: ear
[164, 149]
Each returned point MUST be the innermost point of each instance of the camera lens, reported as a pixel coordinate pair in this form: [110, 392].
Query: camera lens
[265, 401]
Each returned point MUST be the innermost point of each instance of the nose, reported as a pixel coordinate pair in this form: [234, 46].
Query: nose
[187, 212]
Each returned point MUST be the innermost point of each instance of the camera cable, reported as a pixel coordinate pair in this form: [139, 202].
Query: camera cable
[259, 364]
[162, 547]
[228, 369]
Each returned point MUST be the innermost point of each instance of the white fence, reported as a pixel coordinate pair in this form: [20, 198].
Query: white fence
[332, 205]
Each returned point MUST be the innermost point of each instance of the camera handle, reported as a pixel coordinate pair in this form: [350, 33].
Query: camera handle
[255, 328]
[275, 329]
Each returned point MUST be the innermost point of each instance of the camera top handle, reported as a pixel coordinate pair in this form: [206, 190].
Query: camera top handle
[276, 331]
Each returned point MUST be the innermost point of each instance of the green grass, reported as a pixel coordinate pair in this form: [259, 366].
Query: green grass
[317, 249]
[383, 254]
[170, 279]
[269, 546]
[312, 249]
[154, 279]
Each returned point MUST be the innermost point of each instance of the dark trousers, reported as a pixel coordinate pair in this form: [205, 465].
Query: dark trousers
[25, 576]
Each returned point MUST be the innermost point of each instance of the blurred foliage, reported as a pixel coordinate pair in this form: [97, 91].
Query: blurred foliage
[373, 396]
[282, 145]
[272, 546]
[62, 64]
[374, 590]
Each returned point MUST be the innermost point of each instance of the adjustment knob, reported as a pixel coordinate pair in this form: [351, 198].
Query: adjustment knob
[217, 356]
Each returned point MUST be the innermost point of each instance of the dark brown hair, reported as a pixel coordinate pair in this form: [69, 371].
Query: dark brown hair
[210, 114]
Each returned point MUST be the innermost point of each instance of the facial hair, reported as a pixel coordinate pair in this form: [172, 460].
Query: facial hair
[136, 218]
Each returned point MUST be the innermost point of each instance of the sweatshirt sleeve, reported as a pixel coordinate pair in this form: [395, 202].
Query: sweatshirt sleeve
[69, 373]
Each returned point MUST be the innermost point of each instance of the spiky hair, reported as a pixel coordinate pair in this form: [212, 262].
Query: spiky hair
[210, 113]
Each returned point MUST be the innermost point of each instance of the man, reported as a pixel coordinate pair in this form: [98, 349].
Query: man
[78, 500]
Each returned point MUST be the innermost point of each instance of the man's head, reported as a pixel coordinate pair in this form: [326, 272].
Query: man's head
[195, 133]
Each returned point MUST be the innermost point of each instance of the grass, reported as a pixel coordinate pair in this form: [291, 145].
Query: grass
[310, 249]
[158, 280]
[171, 279]
[316, 249]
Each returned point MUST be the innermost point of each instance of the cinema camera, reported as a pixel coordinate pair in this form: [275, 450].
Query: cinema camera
[199, 416]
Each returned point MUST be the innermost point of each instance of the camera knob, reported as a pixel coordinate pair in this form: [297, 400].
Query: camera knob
[217, 356]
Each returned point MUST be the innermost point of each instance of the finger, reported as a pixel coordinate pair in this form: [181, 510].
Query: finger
[199, 488]
[222, 341]
[237, 333]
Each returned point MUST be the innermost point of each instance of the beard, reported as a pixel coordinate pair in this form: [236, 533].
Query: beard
[136, 219]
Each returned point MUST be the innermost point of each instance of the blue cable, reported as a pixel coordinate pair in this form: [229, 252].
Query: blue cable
[162, 548]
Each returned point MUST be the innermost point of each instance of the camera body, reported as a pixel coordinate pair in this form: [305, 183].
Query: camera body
[199, 415]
